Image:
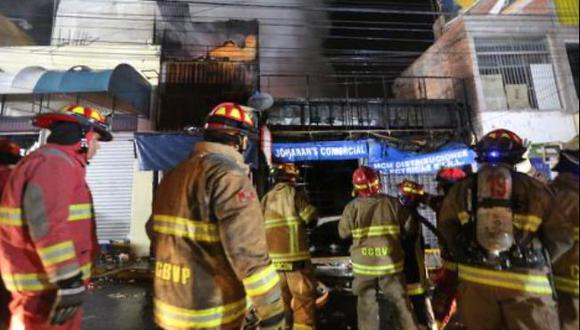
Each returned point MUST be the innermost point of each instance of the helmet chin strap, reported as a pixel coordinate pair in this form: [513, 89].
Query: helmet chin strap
[84, 148]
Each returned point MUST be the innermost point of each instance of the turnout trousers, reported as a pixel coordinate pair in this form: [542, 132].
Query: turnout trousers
[30, 312]
[568, 309]
[4, 311]
[299, 293]
[392, 290]
[484, 307]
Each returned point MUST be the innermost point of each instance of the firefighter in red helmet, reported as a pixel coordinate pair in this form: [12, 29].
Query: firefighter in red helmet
[210, 242]
[9, 156]
[376, 223]
[445, 279]
[497, 224]
[47, 223]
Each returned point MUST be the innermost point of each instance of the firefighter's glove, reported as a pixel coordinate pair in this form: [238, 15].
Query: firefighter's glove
[276, 322]
[69, 299]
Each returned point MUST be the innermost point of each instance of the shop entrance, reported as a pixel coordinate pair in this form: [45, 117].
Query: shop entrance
[329, 185]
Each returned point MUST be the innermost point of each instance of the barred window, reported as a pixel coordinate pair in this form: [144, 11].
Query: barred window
[517, 74]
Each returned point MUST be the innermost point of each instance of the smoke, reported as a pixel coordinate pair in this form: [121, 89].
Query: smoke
[33, 17]
[289, 45]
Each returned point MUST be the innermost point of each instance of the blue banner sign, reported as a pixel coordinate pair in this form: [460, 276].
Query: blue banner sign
[425, 163]
[320, 151]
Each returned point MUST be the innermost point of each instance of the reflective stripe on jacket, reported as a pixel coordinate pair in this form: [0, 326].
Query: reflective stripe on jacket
[566, 267]
[46, 221]
[286, 212]
[532, 283]
[534, 220]
[210, 244]
[375, 225]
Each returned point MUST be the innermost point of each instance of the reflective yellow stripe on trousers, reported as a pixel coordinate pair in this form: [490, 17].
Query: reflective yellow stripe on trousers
[567, 285]
[187, 228]
[261, 282]
[174, 317]
[34, 282]
[538, 284]
[383, 270]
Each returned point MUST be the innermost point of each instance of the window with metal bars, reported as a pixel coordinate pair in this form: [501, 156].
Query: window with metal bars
[517, 74]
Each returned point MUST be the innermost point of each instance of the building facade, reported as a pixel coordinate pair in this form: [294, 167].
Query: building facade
[520, 62]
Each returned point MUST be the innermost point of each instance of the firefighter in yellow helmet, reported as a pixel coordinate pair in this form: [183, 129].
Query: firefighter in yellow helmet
[376, 223]
[496, 224]
[566, 269]
[411, 194]
[210, 242]
[287, 213]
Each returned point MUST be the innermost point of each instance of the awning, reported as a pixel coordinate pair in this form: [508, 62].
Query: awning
[120, 88]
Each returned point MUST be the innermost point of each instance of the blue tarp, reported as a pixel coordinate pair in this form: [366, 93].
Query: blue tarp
[164, 151]
[379, 155]
[405, 163]
[161, 152]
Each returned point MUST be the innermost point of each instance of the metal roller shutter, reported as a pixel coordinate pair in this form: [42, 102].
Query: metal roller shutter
[110, 177]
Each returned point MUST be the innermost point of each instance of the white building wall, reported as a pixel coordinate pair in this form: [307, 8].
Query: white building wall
[539, 127]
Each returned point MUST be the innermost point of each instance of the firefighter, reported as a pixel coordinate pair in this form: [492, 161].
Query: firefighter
[446, 178]
[445, 279]
[47, 225]
[495, 223]
[566, 269]
[410, 195]
[287, 213]
[375, 222]
[210, 241]
[9, 156]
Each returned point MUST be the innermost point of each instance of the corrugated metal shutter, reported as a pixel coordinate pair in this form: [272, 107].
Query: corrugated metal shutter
[110, 177]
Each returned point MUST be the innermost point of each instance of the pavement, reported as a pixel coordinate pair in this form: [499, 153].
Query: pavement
[112, 305]
[126, 305]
